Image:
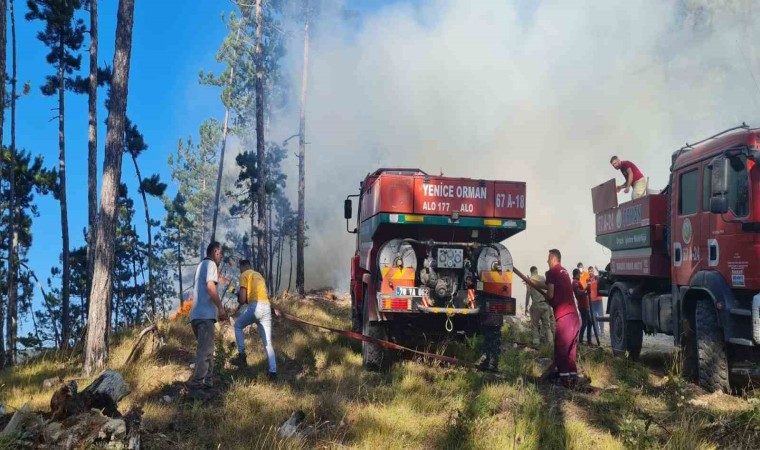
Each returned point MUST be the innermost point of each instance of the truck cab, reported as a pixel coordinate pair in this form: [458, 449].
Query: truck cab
[702, 283]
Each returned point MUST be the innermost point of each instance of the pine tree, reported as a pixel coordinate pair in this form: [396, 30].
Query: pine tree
[175, 237]
[135, 145]
[301, 235]
[252, 74]
[193, 169]
[96, 351]
[92, 142]
[64, 35]
[30, 179]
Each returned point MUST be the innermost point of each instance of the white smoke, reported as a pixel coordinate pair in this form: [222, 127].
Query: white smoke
[542, 92]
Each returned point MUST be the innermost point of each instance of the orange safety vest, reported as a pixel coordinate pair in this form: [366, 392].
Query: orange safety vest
[594, 293]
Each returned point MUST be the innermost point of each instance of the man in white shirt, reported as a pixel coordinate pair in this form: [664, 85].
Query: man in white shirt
[207, 307]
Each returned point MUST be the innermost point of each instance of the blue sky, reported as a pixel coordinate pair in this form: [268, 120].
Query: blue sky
[172, 41]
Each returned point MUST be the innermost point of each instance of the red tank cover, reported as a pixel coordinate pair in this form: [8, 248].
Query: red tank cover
[442, 196]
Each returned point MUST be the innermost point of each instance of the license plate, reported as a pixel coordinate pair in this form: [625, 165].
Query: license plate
[412, 292]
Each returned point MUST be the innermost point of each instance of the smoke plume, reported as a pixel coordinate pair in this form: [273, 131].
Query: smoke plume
[542, 92]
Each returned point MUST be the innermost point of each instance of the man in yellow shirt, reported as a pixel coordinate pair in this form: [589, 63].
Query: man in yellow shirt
[253, 299]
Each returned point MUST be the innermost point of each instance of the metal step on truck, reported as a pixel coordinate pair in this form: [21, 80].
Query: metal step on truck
[686, 261]
[428, 260]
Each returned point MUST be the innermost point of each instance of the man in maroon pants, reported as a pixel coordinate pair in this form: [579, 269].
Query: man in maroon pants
[560, 293]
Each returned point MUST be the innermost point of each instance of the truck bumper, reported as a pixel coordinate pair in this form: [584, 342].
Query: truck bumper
[448, 311]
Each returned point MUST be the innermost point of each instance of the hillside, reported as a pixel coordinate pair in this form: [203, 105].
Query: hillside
[414, 405]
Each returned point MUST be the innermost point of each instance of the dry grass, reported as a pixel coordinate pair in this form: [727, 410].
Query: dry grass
[414, 405]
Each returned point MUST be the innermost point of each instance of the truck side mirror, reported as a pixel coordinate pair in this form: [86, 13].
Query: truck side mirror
[719, 185]
[348, 209]
[719, 204]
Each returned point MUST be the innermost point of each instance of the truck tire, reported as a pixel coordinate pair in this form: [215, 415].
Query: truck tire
[356, 318]
[711, 350]
[689, 354]
[625, 335]
[374, 357]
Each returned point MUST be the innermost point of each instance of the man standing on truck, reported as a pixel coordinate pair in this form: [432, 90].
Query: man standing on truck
[207, 307]
[560, 294]
[633, 178]
[252, 295]
[541, 316]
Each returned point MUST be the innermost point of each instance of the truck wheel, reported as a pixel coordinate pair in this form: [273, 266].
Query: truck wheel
[711, 350]
[374, 357]
[689, 356]
[356, 318]
[625, 335]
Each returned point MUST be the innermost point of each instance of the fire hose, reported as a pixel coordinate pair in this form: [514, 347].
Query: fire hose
[382, 343]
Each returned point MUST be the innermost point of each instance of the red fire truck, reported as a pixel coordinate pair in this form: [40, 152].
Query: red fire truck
[686, 262]
[428, 257]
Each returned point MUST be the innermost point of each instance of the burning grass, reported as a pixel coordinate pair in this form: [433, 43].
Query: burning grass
[414, 405]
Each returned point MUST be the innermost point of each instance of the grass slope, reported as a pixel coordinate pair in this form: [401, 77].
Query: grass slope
[414, 405]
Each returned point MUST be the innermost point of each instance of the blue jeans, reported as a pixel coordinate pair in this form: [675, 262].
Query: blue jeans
[597, 309]
[261, 314]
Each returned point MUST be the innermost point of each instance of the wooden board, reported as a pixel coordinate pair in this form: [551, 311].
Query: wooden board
[604, 196]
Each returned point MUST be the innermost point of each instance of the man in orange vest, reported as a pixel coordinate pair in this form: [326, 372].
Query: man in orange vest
[597, 306]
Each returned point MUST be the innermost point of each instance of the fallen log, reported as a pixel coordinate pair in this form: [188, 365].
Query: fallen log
[132, 354]
[103, 394]
[17, 420]
[109, 383]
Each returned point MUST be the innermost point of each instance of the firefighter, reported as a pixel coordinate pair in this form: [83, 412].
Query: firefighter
[541, 315]
[633, 178]
[560, 294]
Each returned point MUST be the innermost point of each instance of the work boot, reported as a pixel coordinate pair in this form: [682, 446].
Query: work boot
[241, 360]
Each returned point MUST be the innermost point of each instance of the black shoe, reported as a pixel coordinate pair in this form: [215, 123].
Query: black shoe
[272, 376]
[241, 360]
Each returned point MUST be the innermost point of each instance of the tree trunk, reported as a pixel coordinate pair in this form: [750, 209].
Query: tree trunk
[225, 128]
[300, 275]
[149, 293]
[290, 276]
[3, 33]
[179, 262]
[254, 260]
[281, 242]
[134, 277]
[12, 232]
[92, 148]
[96, 352]
[66, 273]
[260, 150]
[270, 250]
